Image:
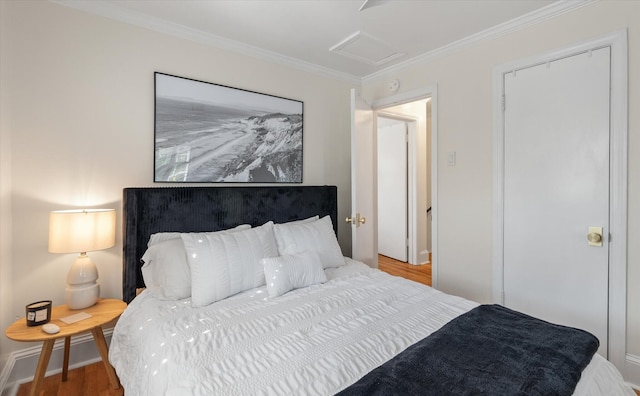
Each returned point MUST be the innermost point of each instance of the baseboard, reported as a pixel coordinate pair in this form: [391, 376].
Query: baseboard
[632, 371]
[4, 376]
[21, 365]
[424, 257]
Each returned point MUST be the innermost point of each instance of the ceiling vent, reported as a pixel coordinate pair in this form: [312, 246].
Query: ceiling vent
[367, 49]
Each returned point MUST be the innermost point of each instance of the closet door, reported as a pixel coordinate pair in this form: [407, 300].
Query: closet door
[556, 191]
[392, 189]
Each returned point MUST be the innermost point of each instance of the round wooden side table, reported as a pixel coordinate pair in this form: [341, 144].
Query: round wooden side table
[104, 311]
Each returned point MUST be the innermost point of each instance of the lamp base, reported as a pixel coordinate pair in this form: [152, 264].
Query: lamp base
[81, 296]
[82, 290]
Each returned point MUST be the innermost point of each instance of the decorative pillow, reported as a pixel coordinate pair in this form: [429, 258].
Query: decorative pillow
[165, 271]
[307, 220]
[317, 236]
[293, 271]
[225, 264]
[165, 236]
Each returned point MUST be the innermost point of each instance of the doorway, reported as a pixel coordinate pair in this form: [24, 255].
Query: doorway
[409, 126]
[363, 217]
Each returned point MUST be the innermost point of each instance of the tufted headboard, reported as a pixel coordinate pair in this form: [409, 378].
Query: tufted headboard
[147, 210]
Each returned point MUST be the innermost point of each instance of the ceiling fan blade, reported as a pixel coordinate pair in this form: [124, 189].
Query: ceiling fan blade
[371, 3]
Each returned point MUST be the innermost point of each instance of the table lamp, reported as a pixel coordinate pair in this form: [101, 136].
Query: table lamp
[81, 231]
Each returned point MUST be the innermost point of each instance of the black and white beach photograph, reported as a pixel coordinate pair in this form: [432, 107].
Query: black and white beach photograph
[206, 132]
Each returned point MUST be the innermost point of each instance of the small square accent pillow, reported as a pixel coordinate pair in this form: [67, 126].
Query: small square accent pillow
[286, 273]
[226, 264]
[317, 236]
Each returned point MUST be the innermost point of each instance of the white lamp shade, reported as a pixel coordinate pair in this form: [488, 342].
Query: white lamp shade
[75, 231]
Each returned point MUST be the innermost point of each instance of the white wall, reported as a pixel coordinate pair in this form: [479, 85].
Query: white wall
[6, 295]
[465, 125]
[77, 127]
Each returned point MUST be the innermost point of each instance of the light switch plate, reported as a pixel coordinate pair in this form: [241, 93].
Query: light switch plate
[451, 158]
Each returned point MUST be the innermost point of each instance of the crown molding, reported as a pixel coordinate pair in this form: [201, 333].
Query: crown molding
[105, 9]
[532, 18]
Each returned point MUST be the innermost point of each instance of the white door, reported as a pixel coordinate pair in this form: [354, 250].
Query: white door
[556, 186]
[392, 188]
[362, 183]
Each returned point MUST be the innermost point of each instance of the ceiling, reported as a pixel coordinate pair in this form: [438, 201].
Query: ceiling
[340, 37]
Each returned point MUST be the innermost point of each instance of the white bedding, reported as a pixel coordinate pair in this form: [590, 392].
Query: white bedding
[311, 341]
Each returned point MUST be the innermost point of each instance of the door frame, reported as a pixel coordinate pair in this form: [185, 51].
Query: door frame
[617, 303]
[429, 91]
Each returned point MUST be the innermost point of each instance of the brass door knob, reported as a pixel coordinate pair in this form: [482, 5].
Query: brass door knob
[356, 220]
[594, 237]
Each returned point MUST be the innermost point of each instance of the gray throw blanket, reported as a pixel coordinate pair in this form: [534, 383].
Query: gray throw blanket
[490, 350]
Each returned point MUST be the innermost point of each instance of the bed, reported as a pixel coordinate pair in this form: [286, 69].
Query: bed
[305, 320]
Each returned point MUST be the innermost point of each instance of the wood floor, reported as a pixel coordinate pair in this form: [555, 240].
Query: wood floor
[92, 379]
[418, 273]
[89, 380]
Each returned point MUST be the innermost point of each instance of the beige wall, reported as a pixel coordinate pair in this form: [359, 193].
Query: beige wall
[6, 295]
[77, 127]
[465, 125]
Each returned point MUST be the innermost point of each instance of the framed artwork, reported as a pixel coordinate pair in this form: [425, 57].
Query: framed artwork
[211, 133]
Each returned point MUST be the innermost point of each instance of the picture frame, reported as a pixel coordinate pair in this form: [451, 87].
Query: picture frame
[210, 133]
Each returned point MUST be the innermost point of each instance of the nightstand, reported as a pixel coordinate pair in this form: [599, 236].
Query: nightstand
[104, 311]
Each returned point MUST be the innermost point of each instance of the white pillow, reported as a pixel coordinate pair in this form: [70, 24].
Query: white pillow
[317, 236]
[225, 264]
[307, 220]
[293, 271]
[165, 236]
[165, 271]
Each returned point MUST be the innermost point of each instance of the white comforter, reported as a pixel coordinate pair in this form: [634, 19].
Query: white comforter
[312, 341]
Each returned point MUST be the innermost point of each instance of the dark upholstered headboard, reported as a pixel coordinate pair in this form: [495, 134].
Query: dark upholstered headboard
[148, 210]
